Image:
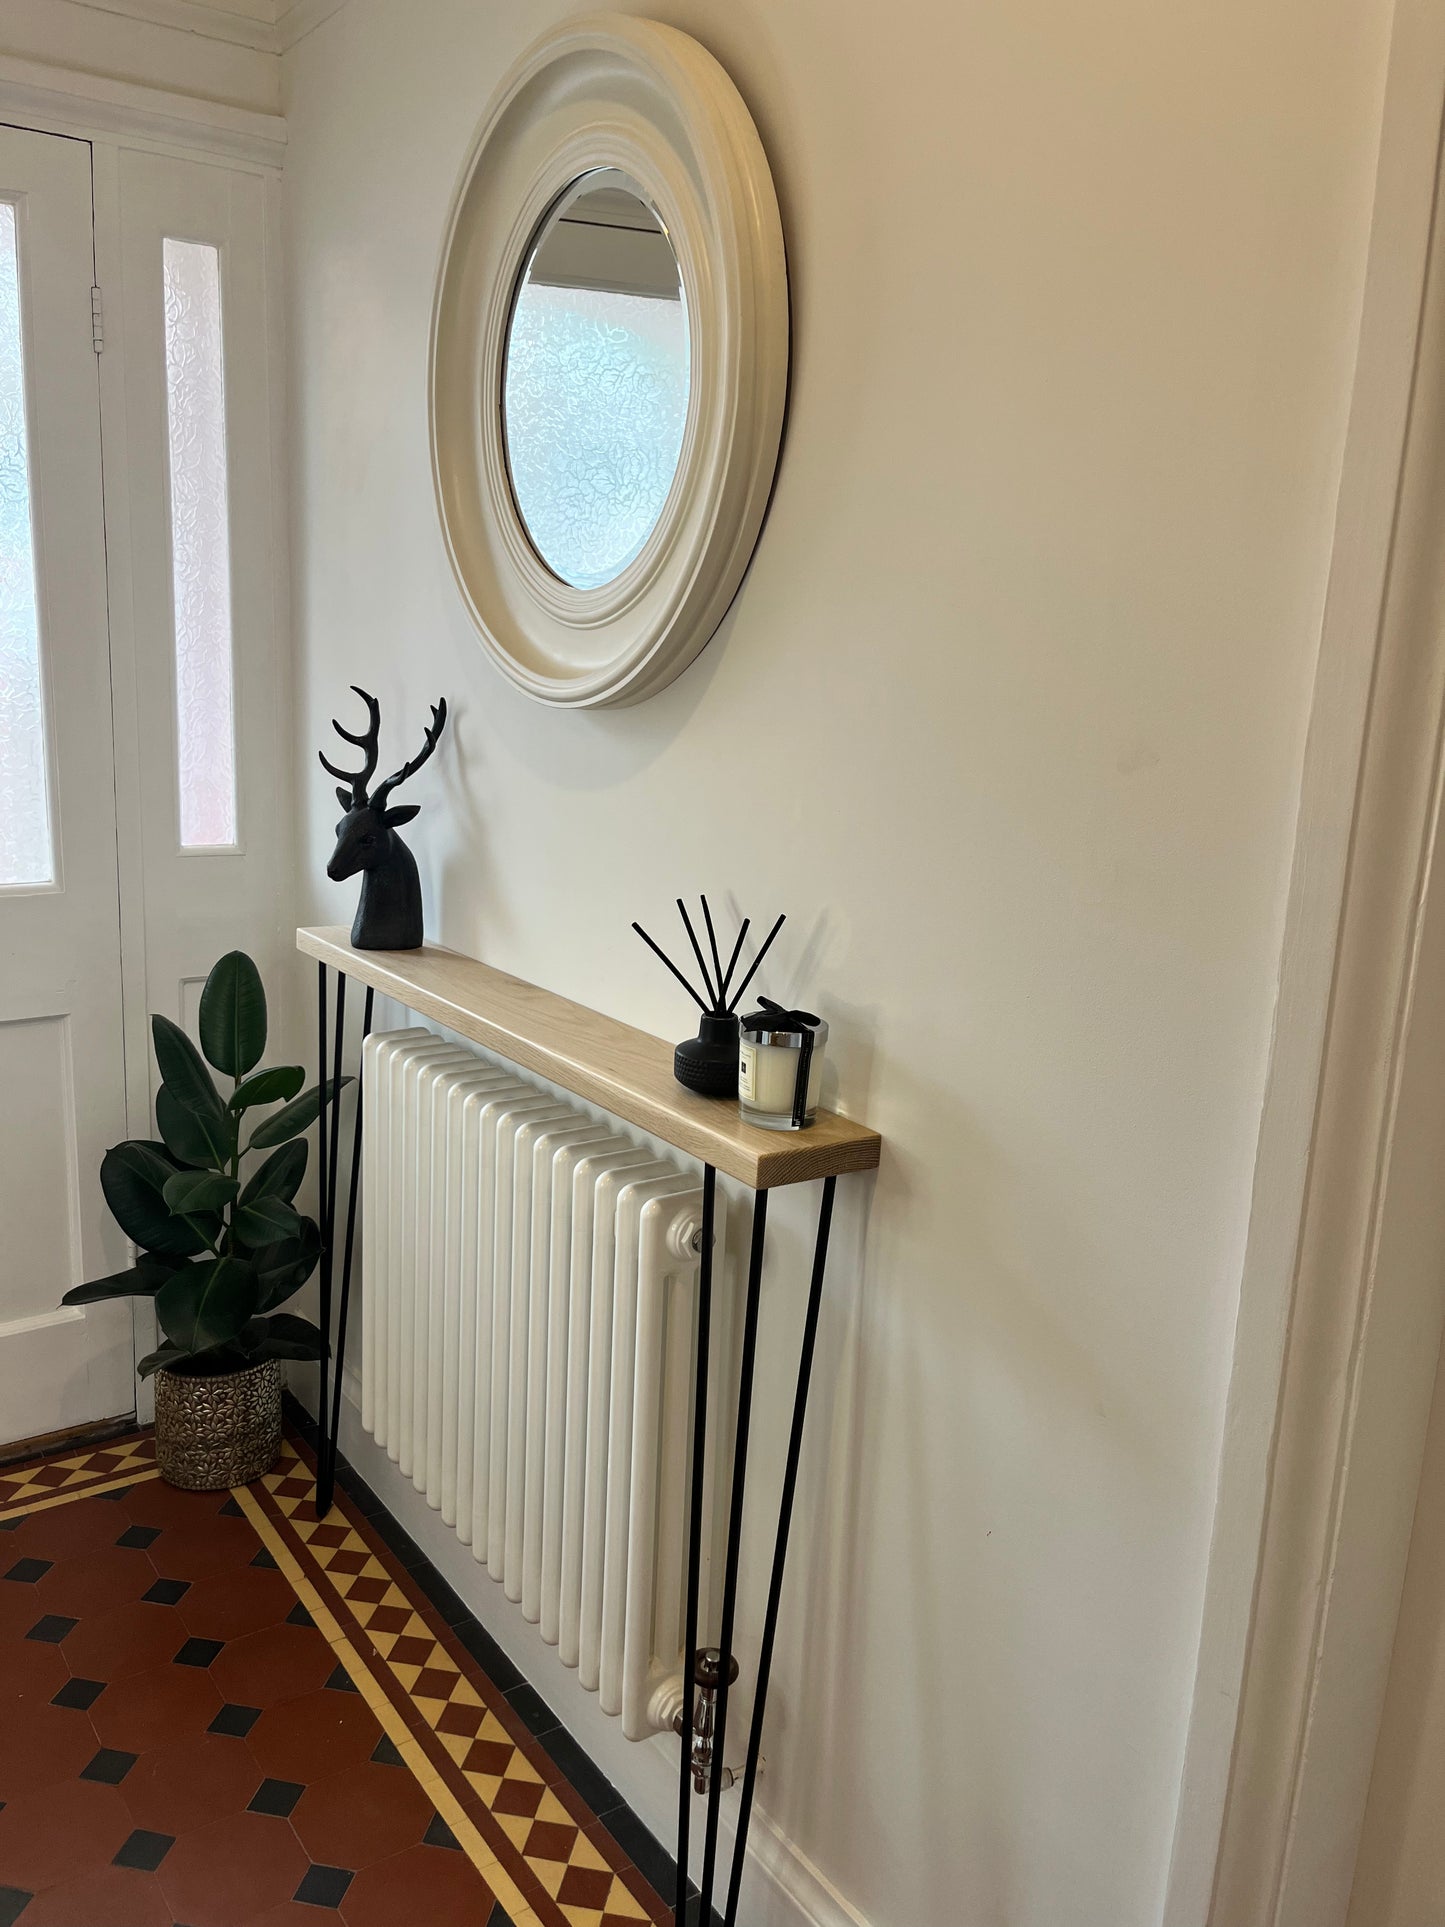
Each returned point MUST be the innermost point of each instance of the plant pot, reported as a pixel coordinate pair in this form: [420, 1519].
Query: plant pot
[220, 1431]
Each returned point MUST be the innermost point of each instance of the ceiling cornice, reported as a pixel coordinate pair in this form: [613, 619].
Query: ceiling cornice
[61, 97]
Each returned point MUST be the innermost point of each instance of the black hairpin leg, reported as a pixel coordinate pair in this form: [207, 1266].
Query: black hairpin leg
[734, 1546]
[694, 1537]
[780, 1550]
[326, 1465]
[324, 1205]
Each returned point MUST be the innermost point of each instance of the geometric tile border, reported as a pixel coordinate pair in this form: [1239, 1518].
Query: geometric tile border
[532, 1838]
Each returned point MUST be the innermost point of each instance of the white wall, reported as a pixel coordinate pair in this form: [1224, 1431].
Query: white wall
[1075, 299]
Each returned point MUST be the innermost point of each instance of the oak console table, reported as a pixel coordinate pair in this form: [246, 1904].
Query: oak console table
[628, 1073]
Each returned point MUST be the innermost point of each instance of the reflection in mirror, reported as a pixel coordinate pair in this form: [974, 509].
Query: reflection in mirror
[596, 383]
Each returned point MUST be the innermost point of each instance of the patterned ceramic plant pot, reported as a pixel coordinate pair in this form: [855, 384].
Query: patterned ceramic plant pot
[216, 1432]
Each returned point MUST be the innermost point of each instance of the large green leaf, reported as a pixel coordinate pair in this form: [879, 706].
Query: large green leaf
[276, 1086]
[203, 1142]
[184, 1070]
[196, 1191]
[141, 1280]
[263, 1222]
[162, 1355]
[294, 1118]
[133, 1177]
[282, 1269]
[207, 1304]
[280, 1175]
[233, 1015]
[288, 1336]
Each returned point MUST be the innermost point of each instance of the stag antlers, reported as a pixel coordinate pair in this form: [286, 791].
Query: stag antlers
[368, 743]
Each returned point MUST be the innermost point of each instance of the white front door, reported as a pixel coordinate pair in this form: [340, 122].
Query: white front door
[62, 1069]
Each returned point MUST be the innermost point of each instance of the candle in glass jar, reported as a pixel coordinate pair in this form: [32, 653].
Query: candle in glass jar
[777, 1050]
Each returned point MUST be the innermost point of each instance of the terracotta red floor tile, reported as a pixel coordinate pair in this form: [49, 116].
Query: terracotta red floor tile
[166, 1702]
[362, 1815]
[170, 1620]
[131, 1639]
[314, 1735]
[107, 1897]
[198, 1551]
[437, 1885]
[276, 1664]
[60, 1832]
[94, 1582]
[29, 1671]
[225, 1873]
[230, 1605]
[41, 1744]
[179, 1787]
[66, 1531]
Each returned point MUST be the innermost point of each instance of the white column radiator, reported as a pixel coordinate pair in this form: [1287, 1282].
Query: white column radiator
[528, 1302]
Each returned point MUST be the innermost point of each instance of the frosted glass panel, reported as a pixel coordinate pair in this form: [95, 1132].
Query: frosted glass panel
[26, 851]
[596, 405]
[595, 395]
[200, 545]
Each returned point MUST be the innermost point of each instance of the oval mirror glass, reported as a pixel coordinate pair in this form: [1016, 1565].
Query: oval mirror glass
[595, 387]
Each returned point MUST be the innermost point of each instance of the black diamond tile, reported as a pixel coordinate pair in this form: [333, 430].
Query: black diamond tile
[585, 1778]
[386, 1753]
[489, 1656]
[120, 1492]
[533, 1711]
[109, 1766]
[52, 1628]
[298, 1616]
[264, 1561]
[323, 1887]
[26, 1571]
[139, 1537]
[198, 1652]
[340, 1681]
[13, 1902]
[79, 1693]
[235, 1721]
[144, 1850]
[276, 1796]
[167, 1592]
[499, 1917]
[230, 1510]
[439, 1834]
[10, 1525]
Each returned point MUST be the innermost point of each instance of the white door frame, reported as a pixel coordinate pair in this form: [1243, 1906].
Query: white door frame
[118, 118]
[1330, 1391]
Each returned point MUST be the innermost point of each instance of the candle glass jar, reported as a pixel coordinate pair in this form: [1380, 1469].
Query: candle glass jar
[780, 1069]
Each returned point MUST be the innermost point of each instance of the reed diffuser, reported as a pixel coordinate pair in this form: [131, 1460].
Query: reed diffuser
[708, 1063]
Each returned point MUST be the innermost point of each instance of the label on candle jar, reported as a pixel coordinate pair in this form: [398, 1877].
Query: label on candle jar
[748, 1072]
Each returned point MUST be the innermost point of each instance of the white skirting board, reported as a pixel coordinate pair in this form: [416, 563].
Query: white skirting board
[782, 1887]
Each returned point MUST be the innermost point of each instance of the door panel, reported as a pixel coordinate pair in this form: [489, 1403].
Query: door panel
[62, 1072]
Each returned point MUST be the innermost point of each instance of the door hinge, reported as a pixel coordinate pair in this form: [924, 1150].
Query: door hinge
[97, 321]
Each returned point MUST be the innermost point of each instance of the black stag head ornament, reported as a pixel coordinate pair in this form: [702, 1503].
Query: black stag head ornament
[388, 916]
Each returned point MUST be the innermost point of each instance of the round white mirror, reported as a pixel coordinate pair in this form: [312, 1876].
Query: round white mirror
[594, 394]
[609, 361]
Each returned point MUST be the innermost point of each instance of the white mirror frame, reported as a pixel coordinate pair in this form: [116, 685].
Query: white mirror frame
[611, 91]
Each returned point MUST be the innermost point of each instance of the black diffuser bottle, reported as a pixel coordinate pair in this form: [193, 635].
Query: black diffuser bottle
[708, 1063]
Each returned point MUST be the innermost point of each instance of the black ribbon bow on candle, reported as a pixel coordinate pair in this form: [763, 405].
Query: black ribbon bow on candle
[794, 1022]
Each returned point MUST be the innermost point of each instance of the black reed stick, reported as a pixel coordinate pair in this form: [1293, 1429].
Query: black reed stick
[767, 945]
[697, 952]
[660, 952]
[712, 943]
[733, 959]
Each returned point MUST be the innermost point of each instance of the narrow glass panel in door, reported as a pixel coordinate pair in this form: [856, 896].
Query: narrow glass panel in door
[61, 1051]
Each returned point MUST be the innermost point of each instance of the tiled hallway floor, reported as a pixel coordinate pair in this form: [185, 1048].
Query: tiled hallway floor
[217, 1711]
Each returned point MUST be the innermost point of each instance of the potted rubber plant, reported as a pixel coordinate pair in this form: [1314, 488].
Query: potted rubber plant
[210, 1205]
